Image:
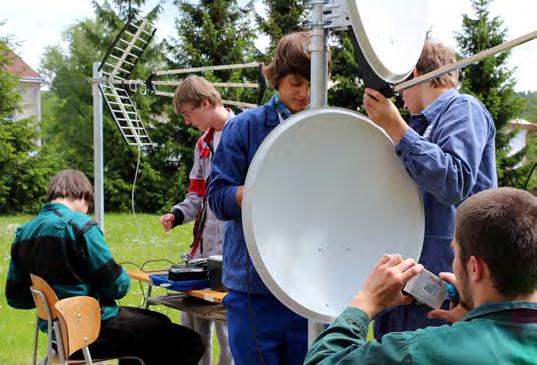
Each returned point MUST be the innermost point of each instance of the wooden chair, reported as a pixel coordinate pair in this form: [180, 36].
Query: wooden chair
[45, 301]
[80, 323]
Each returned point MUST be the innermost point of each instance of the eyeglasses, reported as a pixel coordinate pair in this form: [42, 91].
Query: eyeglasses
[186, 113]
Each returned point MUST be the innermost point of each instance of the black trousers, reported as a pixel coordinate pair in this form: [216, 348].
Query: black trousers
[148, 335]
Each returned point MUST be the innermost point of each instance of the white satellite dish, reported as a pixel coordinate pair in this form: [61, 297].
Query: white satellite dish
[391, 34]
[325, 197]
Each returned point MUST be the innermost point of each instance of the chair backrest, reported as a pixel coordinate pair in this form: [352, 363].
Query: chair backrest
[80, 322]
[51, 298]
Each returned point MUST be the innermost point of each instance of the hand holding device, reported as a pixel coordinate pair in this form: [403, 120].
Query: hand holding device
[383, 287]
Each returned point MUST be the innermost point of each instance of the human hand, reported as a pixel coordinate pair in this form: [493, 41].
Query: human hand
[383, 287]
[167, 221]
[238, 195]
[384, 114]
[456, 311]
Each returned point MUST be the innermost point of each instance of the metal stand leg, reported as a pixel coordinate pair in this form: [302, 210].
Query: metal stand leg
[314, 330]
[148, 296]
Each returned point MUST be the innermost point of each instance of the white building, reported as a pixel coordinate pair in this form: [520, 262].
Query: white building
[523, 129]
[29, 88]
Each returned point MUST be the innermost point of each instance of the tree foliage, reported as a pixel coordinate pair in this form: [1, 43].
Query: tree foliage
[529, 112]
[347, 90]
[216, 32]
[69, 117]
[492, 82]
[282, 17]
[25, 165]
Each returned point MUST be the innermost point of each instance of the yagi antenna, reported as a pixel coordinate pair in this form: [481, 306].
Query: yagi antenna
[117, 67]
[151, 83]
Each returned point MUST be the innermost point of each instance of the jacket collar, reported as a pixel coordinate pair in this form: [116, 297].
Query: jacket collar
[49, 207]
[431, 112]
[495, 307]
[272, 119]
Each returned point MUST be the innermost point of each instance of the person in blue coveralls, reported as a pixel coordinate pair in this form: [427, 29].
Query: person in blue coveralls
[449, 152]
[261, 329]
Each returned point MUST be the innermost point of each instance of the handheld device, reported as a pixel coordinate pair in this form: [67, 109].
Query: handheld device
[429, 289]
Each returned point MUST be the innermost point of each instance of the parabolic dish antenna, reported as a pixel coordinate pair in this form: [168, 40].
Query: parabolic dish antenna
[325, 197]
[391, 34]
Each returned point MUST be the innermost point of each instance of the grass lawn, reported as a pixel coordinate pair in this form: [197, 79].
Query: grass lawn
[127, 245]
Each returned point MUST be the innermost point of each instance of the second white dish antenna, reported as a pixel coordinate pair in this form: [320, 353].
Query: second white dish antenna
[391, 34]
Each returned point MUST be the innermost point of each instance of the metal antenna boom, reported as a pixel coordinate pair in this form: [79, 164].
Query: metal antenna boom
[465, 62]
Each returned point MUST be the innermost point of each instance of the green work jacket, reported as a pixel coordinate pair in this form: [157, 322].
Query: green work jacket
[493, 333]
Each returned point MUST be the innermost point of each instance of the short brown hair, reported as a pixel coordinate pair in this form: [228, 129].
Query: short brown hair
[500, 226]
[290, 57]
[195, 89]
[72, 185]
[433, 56]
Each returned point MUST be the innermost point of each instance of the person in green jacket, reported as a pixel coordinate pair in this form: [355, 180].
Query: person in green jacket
[66, 248]
[495, 273]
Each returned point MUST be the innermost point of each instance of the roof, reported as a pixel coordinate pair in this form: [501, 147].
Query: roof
[17, 67]
[521, 123]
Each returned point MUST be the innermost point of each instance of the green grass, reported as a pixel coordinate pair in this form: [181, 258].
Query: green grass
[127, 245]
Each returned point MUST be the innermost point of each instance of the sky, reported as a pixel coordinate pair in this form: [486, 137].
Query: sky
[37, 24]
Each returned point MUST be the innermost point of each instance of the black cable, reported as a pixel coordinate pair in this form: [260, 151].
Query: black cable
[142, 304]
[156, 260]
[141, 268]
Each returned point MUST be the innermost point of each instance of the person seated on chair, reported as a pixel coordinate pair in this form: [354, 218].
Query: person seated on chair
[67, 249]
[495, 273]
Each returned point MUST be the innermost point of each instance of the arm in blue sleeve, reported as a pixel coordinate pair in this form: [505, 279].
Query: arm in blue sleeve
[345, 342]
[108, 278]
[448, 167]
[228, 171]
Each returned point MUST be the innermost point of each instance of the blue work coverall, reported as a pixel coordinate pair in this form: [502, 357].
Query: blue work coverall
[450, 154]
[261, 329]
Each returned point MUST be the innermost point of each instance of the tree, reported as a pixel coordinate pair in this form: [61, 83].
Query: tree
[283, 16]
[530, 109]
[68, 116]
[492, 83]
[216, 32]
[347, 90]
[25, 166]
[9, 99]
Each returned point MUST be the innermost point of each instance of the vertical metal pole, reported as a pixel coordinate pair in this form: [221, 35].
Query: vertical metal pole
[319, 95]
[98, 146]
[314, 330]
[319, 57]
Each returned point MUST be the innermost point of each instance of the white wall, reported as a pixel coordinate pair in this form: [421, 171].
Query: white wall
[30, 104]
[518, 142]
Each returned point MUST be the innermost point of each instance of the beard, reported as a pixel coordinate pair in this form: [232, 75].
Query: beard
[465, 299]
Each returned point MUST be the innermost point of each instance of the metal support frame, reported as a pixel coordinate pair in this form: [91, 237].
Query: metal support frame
[98, 153]
[319, 57]
[319, 94]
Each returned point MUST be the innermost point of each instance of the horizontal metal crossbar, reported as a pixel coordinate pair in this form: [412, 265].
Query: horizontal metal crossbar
[240, 104]
[208, 68]
[178, 82]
